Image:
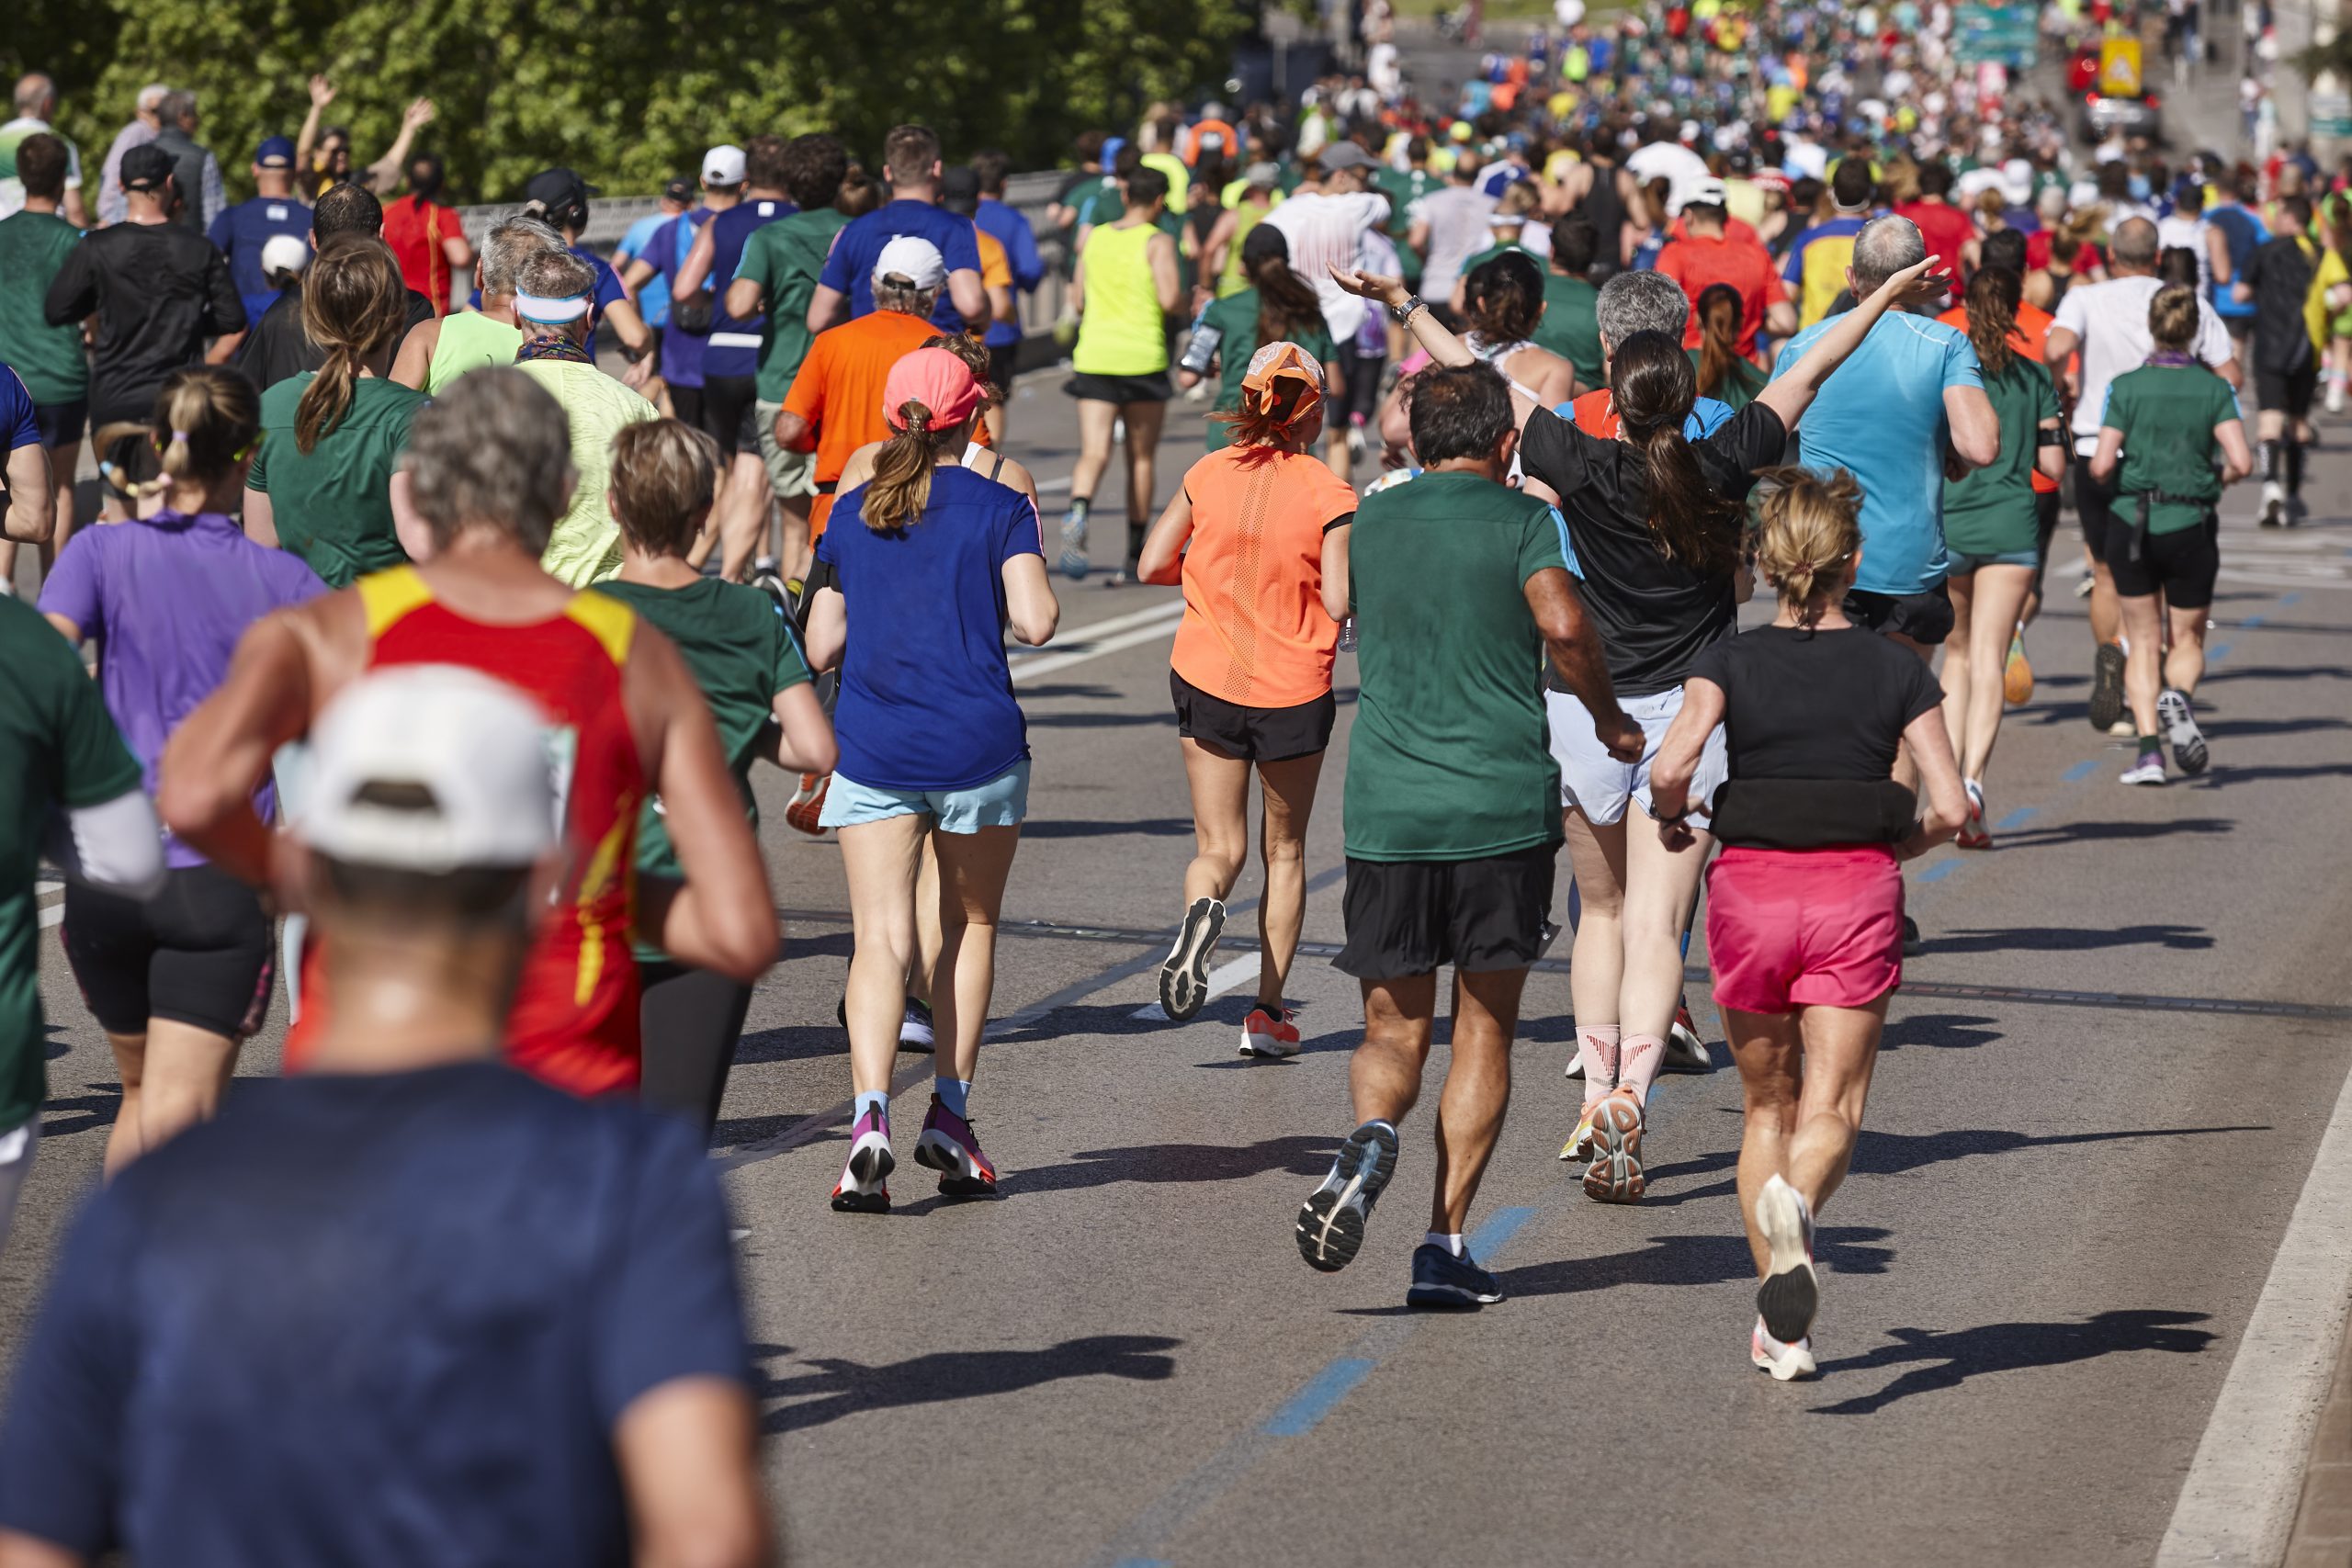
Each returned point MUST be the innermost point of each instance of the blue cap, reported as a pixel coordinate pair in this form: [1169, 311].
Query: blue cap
[277, 153]
[1110, 145]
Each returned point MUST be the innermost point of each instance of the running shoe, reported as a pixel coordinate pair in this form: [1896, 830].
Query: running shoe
[2334, 394]
[1579, 1144]
[1443, 1281]
[1791, 1292]
[863, 1188]
[949, 1146]
[1267, 1034]
[2148, 770]
[2123, 728]
[2186, 740]
[1073, 562]
[1685, 1052]
[1330, 1222]
[1185, 977]
[805, 810]
[2084, 586]
[2274, 504]
[1615, 1175]
[1125, 577]
[2298, 509]
[2017, 675]
[1785, 1363]
[1973, 834]
[2107, 686]
[915, 1030]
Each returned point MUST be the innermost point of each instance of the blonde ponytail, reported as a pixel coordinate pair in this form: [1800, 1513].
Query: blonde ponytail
[1812, 529]
[206, 419]
[900, 489]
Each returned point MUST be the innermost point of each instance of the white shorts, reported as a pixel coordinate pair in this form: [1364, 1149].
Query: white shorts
[1600, 785]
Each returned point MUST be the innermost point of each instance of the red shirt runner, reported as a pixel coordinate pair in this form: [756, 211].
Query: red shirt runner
[1696, 264]
[414, 229]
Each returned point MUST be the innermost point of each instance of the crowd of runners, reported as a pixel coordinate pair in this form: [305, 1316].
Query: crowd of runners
[447, 587]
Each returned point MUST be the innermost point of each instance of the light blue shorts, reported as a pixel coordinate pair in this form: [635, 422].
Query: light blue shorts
[1001, 802]
[1963, 563]
[1597, 784]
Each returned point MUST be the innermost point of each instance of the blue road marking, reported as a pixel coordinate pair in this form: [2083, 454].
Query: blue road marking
[1496, 1233]
[2080, 771]
[1938, 871]
[2017, 818]
[1319, 1397]
[2250, 623]
[2287, 599]
[2218, 654]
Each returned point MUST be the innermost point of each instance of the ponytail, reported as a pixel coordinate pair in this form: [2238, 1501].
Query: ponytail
[1287, 307]
[1992, 296]
[1720, 317]
[353, 304]
[900, 489]
[206, 419]
[1812, 528]
[1653, 383]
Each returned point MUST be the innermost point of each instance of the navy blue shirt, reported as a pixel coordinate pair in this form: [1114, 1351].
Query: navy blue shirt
[240, 231]
[384, 1319]
[926, 700]
[17, 425]
[681, 351]
[733, 347]
[850, 268]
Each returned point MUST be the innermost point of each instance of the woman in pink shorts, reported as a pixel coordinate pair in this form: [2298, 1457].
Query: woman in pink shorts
[1805, 907]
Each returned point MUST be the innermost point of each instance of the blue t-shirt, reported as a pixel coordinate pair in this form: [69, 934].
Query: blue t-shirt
[240, 233]
[681, 351]
[653, 299]
[2244, 235]
[1707, 415]
[733, 347]
[17, 426]
[372, 1319]
[1881, 417]
[1020, 241]
[850, 268]
[926, 699]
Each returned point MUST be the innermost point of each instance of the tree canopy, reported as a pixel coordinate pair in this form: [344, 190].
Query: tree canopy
[627, 92]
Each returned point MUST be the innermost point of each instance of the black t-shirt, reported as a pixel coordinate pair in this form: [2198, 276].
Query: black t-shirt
[278, 347]
[1816, 704]
[1654, 614]
[159, 290]
[2279, 271]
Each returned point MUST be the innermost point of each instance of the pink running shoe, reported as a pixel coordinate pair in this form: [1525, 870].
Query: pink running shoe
[949, 1146]
[863, 1189]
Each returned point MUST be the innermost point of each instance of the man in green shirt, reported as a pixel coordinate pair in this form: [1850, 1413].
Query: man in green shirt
[778, 276]
[1571, 324]
[1451, 818]
[58, 751]
[33, 247]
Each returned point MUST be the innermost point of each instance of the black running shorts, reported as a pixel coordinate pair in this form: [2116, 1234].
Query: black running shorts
[2287, 391]
[727, 413]
[2094, 505]
[2182, 564]
[201, 952]
[1925, 618]
[1406, 918]
[1255, 735]
[1153, 387]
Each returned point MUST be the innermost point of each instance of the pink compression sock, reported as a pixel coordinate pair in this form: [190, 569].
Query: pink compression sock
[1637, 1067]
[1597, 1049]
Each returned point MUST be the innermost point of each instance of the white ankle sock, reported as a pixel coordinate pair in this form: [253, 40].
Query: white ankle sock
[1450, 1241]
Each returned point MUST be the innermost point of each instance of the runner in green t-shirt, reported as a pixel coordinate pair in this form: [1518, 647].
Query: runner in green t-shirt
[50, 360]
[58, 750]
[747, 660]
[1275, 295]
[1452, 819]
[1571, 324]
[2165, 424]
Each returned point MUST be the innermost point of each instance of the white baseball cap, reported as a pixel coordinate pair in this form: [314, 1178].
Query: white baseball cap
[723, 164]
[914, 258]
[467, 760]
[284, 253]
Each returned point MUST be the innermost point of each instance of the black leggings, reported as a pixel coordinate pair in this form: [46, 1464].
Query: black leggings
[691, 1019]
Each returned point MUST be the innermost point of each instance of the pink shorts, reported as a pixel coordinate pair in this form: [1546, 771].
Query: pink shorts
[1805, 928]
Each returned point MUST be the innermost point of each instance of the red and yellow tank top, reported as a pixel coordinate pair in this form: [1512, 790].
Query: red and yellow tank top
[574, 1022]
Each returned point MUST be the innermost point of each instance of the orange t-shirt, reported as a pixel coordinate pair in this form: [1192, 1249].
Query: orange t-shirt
[839, 391]
[2029, 337]
[1255, 633]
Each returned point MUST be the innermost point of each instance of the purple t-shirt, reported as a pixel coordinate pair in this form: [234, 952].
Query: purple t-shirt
[167, 597]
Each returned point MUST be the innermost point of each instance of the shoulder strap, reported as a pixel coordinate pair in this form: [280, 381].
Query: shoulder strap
[610, 622]
[389, 596]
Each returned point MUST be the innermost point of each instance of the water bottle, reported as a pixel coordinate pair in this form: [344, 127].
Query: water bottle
[1202, 350]
[1348, 635]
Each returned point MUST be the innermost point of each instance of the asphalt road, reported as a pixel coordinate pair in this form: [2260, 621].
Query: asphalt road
[2105, 1082]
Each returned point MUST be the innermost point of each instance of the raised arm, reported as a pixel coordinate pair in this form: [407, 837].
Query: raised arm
[1427, 330]
[322, 95]
[1792, 392]
[383, 175]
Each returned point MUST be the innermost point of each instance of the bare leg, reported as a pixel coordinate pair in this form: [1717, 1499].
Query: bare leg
[186, 1072]
[1957, 654]
[2185, 664]
[792, 543]
[1764, 1047]
[1095, 422]
[1385, 1074]
[743, 515]
[1143, 455]
[126, 1140]
[1597, 962]
[1289, 788]
[972, 872]
[927, 923]
[1659, 884]
[1220, 786]
[2143, 664]
[2107, 617]
[2000, 594]
[1477, 1090]
[881, 861]
[1840, 1050]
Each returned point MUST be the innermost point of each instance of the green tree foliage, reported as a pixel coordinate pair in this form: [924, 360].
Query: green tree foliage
[628, 92]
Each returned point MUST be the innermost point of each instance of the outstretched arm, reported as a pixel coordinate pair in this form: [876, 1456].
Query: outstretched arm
[1790, 393]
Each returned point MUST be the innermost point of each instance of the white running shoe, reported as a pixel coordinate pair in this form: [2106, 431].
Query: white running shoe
[1784, 1361]
[2181, 733]
[1791, 1292]
[1579, 1144]
[2148, 770]
[2273, 504]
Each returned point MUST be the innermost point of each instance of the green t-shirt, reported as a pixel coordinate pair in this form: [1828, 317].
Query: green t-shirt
[1491, 252]
[33, 247]
[58, 749]
[743, 653]
[1571, 325]
[1990, 511]
[333, 505]
[2168, 414]
[1236, 316]
[1404, 186]
[1448, 759]
[784, 258]
[1742, 381]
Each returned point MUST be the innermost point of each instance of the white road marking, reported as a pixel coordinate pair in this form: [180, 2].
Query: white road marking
[1156, 623]
[54, 915]
[1222, 979]
[2239, 1501]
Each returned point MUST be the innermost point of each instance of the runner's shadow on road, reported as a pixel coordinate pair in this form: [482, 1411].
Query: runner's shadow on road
[1098, 718]
[2224, 774]
[1297, 1155]
[2228, 728]
[1942, 1031]
[2279, 672]
[1149, 828]
[1676, 1260]
[2064, 939]
[1963, 1353]
[2110, 832]
[69, 1114]
[829, 1388]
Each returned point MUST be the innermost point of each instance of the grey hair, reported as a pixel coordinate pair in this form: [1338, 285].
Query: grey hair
[1633, 302]
[509, 242]
[904, 298]
[151, 96]
[35, 92]
[177, 105]
[1884, 247]
[2135, 244]
[491, 449]
[556, 274]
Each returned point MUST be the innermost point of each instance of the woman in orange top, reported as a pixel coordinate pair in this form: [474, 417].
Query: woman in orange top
[1265, 585]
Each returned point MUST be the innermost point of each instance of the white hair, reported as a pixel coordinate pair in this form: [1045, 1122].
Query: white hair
[151, 96]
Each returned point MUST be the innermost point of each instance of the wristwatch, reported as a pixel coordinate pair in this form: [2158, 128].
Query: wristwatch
[1650, 810]
[1404, 312]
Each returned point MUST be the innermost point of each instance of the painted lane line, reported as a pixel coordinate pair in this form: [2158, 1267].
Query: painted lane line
[1307, 1408]
[53, 915]
[1938, 871]
[1071, 637]
[2239, 1501]
[1222, 979]
[2286, 601]
[1162, 624]
[2019, 817]
[2220, 653]
[2081, 771]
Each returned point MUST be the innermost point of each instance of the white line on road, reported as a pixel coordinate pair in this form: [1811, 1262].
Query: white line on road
[54, 915]
[2239, 1500]
[1222, 979]
[1162, 621]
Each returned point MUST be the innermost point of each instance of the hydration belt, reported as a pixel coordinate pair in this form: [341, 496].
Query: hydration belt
[2149, 499]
